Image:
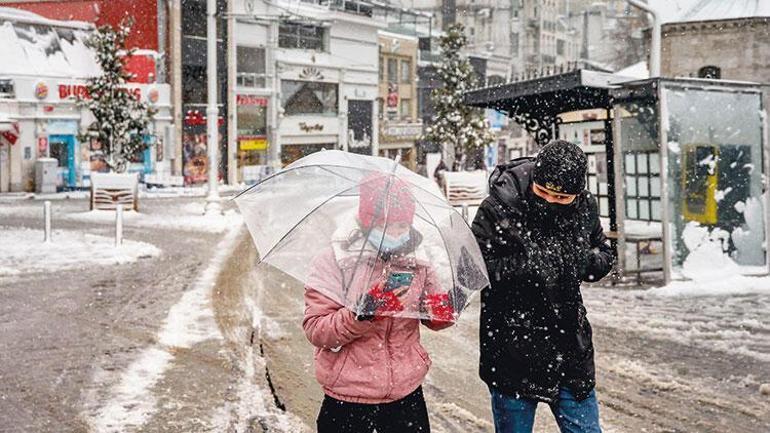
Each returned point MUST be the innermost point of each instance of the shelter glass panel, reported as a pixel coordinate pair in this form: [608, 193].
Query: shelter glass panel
[641, 159]
[715, 170]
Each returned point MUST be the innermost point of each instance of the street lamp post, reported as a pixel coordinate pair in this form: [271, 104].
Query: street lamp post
[655, 48]
[213, 205]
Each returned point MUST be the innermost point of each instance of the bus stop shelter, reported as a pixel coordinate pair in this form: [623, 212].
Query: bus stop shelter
[682, 160]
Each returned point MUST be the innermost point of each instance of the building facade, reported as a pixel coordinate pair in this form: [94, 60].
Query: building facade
[303, 81]
[45, 73]
[611, 32]
[399, 124]
[190, 78]
[718, 40]
[731, 49]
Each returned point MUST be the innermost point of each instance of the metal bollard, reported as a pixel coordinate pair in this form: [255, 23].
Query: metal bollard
[119, 225]
[47, 219]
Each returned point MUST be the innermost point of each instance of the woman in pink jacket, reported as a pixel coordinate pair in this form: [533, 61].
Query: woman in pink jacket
[371, 365]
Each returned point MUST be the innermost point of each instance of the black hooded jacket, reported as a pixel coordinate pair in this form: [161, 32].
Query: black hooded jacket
[534, 334]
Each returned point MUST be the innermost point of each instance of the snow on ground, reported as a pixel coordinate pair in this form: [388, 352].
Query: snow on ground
[715, 308]
[188, 191]
[636, 227]
[23, 251]
[729, 285]
[735, 324]
[152, 192]
[189, 321]
[710, 271]
[190, 219]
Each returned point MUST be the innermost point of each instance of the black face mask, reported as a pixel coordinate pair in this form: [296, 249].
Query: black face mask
[551, 210]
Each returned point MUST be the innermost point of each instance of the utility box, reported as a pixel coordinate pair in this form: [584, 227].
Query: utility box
[46, 174]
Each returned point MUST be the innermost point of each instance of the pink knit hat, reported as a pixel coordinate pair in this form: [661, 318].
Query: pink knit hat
[381, 194]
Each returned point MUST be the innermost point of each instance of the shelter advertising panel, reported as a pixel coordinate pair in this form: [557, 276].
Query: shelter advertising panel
[715, 179]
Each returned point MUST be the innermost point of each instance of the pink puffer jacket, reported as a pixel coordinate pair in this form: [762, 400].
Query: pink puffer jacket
[378, 361]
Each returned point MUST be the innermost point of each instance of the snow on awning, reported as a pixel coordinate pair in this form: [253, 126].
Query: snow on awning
[34, 46]
[549, 95]
[638, 71]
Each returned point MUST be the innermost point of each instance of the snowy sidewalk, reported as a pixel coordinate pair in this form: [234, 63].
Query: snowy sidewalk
[174, 214]
[25, 252]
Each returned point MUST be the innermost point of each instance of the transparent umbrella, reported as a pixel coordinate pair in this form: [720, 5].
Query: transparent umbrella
[345, 224]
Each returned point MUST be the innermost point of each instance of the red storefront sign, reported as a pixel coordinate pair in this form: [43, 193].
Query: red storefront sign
[251, 100]
[80, 91]
[11, 135]
[197, 118]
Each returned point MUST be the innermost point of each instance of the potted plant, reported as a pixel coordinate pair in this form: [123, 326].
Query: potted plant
[121, 120]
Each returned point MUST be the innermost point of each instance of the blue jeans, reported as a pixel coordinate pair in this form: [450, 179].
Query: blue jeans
[517, 415]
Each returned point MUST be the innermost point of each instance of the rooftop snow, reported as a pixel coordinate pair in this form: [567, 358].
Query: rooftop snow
[22, 16]
[35, 46]
[706, 10]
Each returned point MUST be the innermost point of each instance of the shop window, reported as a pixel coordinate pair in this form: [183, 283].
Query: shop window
[392, 71]
[293, 152]
[307, 97]
[251, 120]
[251, 67]
[406, 71]
[194, 18]
[360, 126]
[406, 108]
[301, 36]
[59, 152]
[194, 84]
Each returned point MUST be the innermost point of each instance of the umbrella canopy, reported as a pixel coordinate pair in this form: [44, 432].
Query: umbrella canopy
[343, 224]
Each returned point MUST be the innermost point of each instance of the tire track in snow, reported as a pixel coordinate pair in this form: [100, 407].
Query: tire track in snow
[189, 321]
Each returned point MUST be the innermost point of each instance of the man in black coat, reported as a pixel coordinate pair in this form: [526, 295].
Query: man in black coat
[540, 235]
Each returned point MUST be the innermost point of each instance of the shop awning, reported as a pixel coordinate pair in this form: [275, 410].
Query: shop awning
[536, 103]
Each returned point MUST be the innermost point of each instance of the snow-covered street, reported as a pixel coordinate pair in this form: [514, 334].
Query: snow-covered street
[185, 339]
[664, 364]
[121, 339]
[364, 216]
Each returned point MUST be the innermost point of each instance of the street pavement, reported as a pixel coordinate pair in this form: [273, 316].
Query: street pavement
[199, 339]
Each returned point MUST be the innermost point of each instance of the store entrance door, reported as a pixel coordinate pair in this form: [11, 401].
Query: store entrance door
[62, 148]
